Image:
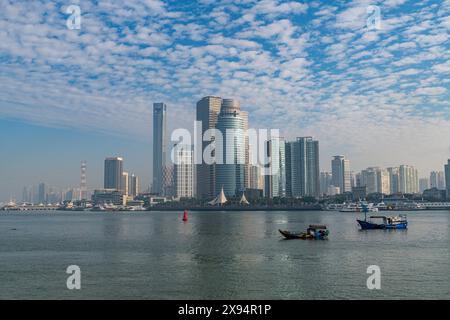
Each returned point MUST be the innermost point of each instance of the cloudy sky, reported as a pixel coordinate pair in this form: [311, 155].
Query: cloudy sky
[320, 68]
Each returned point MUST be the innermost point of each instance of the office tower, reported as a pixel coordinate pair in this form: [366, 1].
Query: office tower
[184, 172]
[369, 179]
[133, 185]
[230, 173]
[125, 184]
[25, 195]
[42, 193]
[441, 180]
[447, 178]
[408, 179]
[383, 181]
[394, 179]
[256, 178]
[302, 167]
[424, 184]
[325, 182]
[275, 178]
[83, 182]
[208, 109]
[159, 145]
[113, 173]
[244, 115]
[341, 173]
[168, 181]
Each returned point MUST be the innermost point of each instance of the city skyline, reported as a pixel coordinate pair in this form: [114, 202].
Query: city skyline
[379, 96]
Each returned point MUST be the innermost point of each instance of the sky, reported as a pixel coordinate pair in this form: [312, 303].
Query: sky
[378, 94]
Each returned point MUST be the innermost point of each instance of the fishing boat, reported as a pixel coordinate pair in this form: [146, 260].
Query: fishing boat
[382, 222]
[314, 232]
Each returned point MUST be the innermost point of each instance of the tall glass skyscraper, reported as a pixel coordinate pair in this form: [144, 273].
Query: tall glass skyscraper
[302, 167]
[159, 145]
[341, 174]
[113, 176]
[208, 109]
[230, 171]
[275, 180]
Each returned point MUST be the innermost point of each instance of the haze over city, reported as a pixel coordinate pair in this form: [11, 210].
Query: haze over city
[378, 96]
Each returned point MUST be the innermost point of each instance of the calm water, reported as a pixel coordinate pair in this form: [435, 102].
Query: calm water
[234, 255]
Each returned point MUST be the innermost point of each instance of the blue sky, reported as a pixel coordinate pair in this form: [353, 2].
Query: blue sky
[379, 96]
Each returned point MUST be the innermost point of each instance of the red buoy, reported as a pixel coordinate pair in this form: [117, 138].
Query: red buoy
[185, 217]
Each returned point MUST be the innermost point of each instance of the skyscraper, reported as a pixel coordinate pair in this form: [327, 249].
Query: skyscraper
[341, 174]
[42, 193]
[113, 173]
[208, 109]
[184, 172]
[447, 178]
[125, 184]
[325, 182]
[394, 179]
[437, 180]
[159, 145]
[302, 167]
[275, 179]
[230, 168]
[133, 185]
[424, 184]
[408, 179]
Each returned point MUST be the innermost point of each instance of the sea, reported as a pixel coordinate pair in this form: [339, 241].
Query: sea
[220, 255]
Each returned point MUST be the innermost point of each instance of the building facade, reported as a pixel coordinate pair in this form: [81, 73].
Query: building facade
[341, 174]
[447, 178]
[113, 175]
[184, 172]
[159, 145]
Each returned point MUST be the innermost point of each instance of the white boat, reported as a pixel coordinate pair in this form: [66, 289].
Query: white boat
[358, 207]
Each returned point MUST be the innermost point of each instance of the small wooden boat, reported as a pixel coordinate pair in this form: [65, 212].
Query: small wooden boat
[314, 232]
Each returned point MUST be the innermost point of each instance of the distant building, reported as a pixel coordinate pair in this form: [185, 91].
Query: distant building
[184, 172]
[230, 169]
[325, 182]
[359, 193]
[133, 185]
[302, 168]
[437, 180]
[275, 178]
[409, 179]
[254, 194]
[341, 174]
[113, 175]
[159, 145]
[447, 178]
[332, 190]
[394, 180]
[423, 184]
[109, 196]
[434, 194]
[125, 184]
[42, 193]
[168, 181]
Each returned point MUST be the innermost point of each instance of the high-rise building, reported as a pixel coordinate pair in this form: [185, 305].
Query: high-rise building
[230, 167]
[409, 179]
[275, 178]
[302, 167]
[133, 185]
[42, 193]
[369, 179]
[113, 173]
[168, 181]
[394, 179]
[341, 174]
[325, 182]
[159, 145]
[437, 180]
[447, 178]
[125, 187]
[424, 184]
[208, 109]
[184, 172]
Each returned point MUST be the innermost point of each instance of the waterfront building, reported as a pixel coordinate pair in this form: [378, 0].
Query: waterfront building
[332, 190]
[341, 174]
[369, 179]
[447, 178]
[325, 182]
[408, 179]
[42, 193]
[125, 184]
[275, 179]
[302, 168]
[113, 175]
[437, 180]
[208, 109]
[133, 185]
[359, 193]
[383, 182]
[230, 167]
[109, 196]
[184, 171]
[394, 180]
[424, 184]
[159, 145]
[168, 181]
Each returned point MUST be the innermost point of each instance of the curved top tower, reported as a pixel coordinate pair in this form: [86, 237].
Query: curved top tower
[230, 106]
